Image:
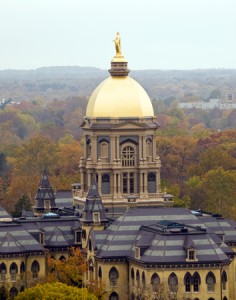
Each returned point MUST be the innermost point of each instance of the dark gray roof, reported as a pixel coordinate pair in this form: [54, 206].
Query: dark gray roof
[163, 234]
[14, 239]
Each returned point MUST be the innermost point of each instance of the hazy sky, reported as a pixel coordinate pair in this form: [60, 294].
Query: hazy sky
[156, 34]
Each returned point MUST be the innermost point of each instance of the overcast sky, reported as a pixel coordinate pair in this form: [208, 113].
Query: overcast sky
[155, 34]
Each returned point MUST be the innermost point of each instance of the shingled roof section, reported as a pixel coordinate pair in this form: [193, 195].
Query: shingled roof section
[163, 235]
[14, 239]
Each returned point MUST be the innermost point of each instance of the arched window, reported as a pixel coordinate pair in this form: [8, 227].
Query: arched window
[132, 296]
[62, 258]
[138, 279]
[13, 271]
[143, 280]
[13, 292]
[155, 282]
[3, 271]
[128, 156]
[99, 273]
[113, 276]
[173, 283]
[224, 280]
[196, 282]
[35, 269]
[225, 298]
[113, 296]
[149, 147]
[187, 282]
[132, 276]
[22, 267]
[210, 281]
[104, 150]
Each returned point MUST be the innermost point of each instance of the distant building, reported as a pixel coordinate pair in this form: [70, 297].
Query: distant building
[227, 103]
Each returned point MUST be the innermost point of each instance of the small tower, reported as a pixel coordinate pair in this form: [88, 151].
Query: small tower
[93, 213]
[45, 197]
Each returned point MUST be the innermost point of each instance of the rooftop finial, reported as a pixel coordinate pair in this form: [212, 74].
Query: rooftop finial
[117, 44]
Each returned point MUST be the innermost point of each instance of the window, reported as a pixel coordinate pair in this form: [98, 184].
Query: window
[13, 292]
[35, 269]
[223, 280]
[210, 281]
[128, 156]
[22, 269]
[137, 252]
[47, 205]
[132, 276]
[143, 280]
[149, 148]
[155, 282]
[104, 150]
[62, 258]
[113, 276]
[191, 254]
[196, 282]
[96, 217]
[3, 271]
[173, 283]
[13, 271]
[99, 273]
[138, 279]
[114, 296]
[78, 237]
[187, 282]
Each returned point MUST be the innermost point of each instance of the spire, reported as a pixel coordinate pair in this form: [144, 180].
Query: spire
[94, 211]
[119, 65]
[45, 197]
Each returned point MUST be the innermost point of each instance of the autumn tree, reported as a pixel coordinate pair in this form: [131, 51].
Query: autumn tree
[70, 271]
[55, 291]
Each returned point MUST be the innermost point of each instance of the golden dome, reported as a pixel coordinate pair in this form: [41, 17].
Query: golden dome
[117, 97]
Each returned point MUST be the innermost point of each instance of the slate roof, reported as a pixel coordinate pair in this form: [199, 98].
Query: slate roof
[14, 239]
[58, 232]
[63, 199]
[162, 234]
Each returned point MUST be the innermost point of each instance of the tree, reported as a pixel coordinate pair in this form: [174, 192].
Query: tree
[22, 203]
[55, 291]
[219, 187]
[69, 271]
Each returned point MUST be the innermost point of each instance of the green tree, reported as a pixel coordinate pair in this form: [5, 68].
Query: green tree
[55, 291]
[22, 203]
[219, 189]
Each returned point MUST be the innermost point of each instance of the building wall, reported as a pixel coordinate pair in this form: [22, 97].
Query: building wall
[126, 285]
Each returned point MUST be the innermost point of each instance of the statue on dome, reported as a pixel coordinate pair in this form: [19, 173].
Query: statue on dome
[117, 44]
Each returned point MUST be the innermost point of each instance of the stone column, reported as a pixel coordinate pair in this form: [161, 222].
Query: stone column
[100, 183]
[145, 184]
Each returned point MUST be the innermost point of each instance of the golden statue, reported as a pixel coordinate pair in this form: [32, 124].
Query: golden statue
[117, 44]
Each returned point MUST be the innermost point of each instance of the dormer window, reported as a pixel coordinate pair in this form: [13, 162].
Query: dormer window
[137, 252]
[96, 217]
[78, 237]
[191, 255]
[47, 205]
